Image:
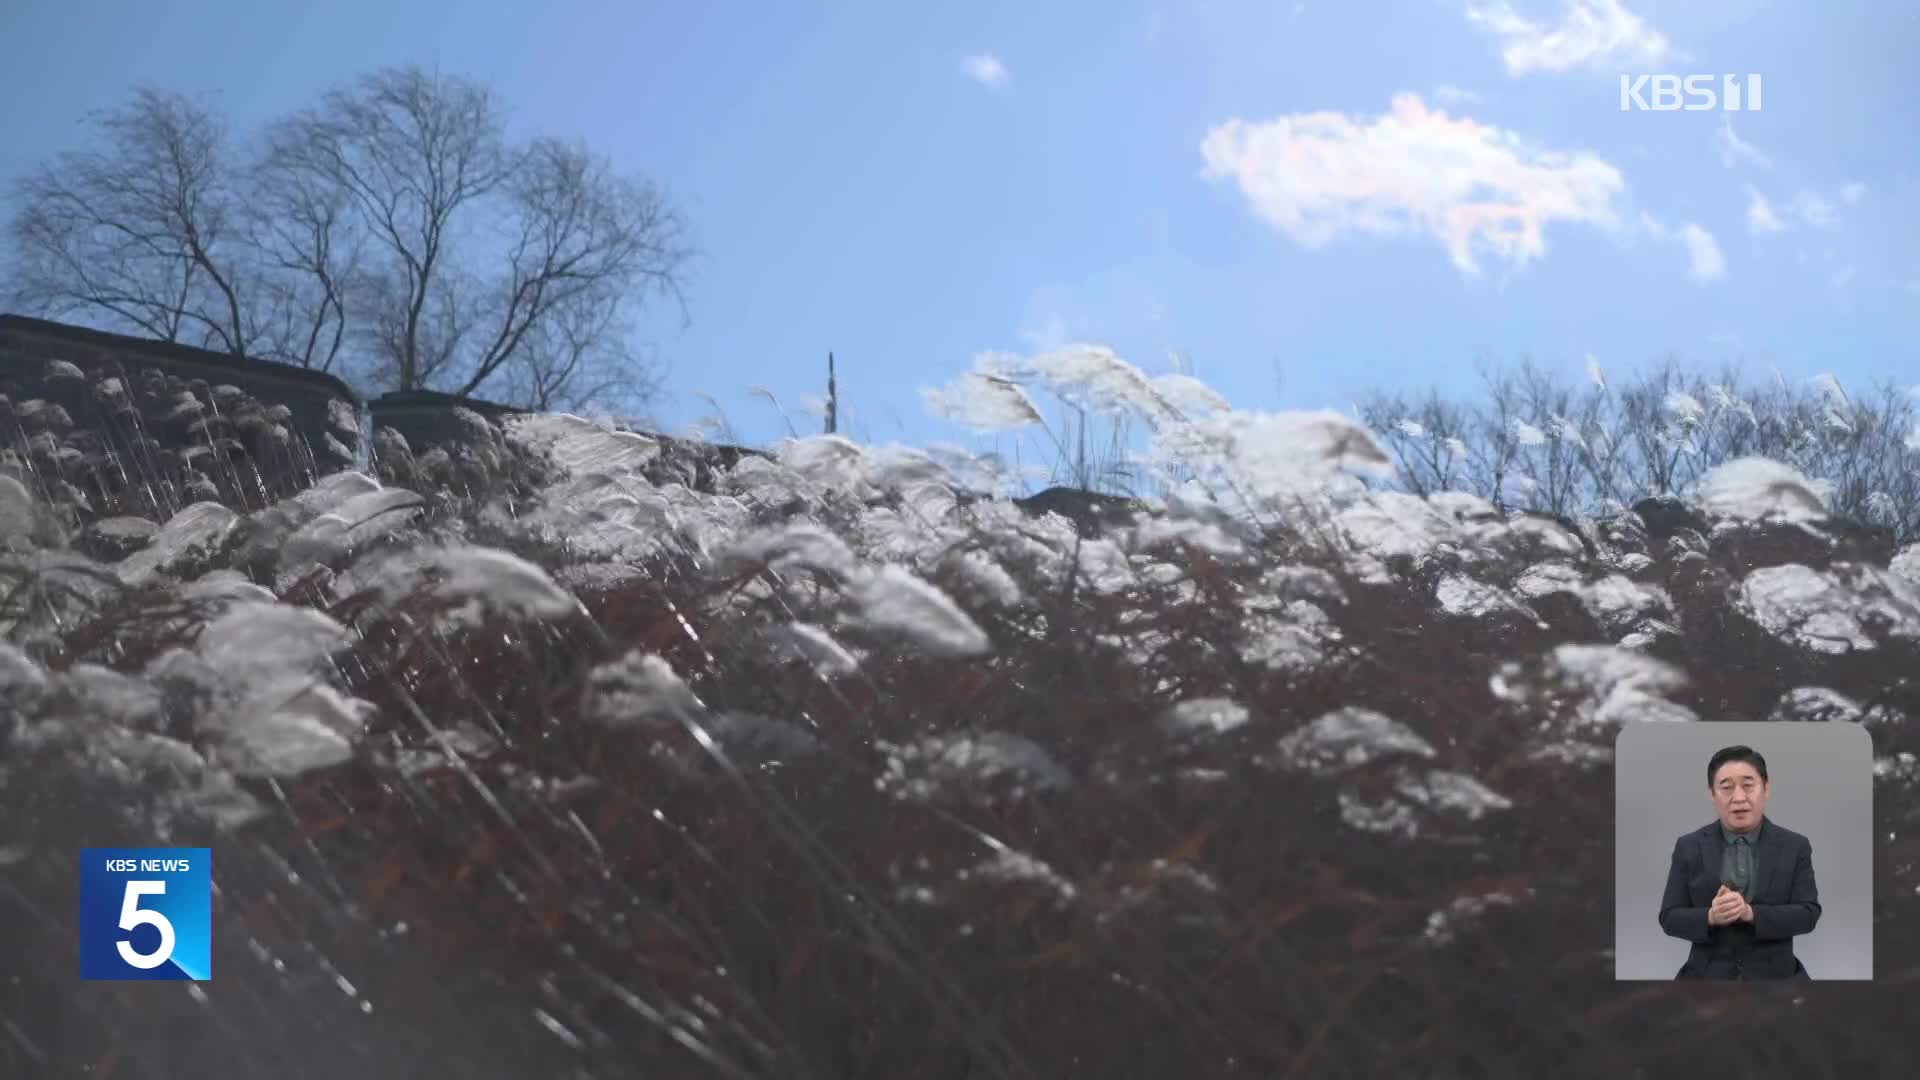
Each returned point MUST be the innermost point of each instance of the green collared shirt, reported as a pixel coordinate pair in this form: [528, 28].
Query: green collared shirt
[1740, 860]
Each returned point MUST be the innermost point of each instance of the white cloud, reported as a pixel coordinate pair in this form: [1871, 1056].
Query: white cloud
[985, 69]
[1591, 33]
[1705, 260]
[1478, 189]
[1808, 207]
[1707, 263]
[1734, 149]
[1760, 215]
[1449, 94]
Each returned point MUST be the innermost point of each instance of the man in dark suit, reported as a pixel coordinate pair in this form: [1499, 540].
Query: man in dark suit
[1742, 888]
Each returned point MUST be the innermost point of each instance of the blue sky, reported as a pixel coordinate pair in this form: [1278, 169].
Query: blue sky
[1307, 199]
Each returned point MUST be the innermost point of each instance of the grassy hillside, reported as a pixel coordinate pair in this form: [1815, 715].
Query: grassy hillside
[563, 756]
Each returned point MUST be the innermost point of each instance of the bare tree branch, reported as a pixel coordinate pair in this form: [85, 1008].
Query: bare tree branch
[476, 257]
[311, 250]
[139, 231]
[580, 356]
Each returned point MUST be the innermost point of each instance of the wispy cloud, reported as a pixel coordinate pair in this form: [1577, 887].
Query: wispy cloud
[1449, 94]
[1705, 260]
[1761, 217]
[1703, 252]
[1590, 34]
[985, 69]
[1807, 207]
[1482, 191]
[1734, 149]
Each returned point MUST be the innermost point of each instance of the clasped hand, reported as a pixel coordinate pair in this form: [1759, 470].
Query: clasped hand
[1729, 907]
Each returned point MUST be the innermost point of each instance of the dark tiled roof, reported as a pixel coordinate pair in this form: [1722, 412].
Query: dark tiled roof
[180, 357]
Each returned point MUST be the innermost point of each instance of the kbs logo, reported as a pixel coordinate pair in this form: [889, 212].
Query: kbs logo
[1692, 93]
[146, 913]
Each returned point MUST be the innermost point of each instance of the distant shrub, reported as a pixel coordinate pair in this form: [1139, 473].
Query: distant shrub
[1539, 442]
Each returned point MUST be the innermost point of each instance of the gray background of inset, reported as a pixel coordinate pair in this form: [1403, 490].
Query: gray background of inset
[1821, 776]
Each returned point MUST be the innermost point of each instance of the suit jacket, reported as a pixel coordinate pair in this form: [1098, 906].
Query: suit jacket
[1785, 901]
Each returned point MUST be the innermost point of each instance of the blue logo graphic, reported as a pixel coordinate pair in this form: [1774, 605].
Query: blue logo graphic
[146, 913]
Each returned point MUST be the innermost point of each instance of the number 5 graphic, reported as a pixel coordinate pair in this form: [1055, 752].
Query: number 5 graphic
[133, 915]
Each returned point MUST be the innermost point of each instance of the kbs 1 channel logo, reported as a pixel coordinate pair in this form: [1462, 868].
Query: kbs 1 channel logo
[146, 913]
[1690, 93]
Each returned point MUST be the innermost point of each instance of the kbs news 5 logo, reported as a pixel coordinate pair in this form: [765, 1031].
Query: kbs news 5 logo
[146, 913]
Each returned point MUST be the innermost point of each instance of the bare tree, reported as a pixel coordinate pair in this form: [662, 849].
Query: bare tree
[141, 231]
[482, 255]
[406, 150]
[391, 234]
[1495, 439]
[1428, 438]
